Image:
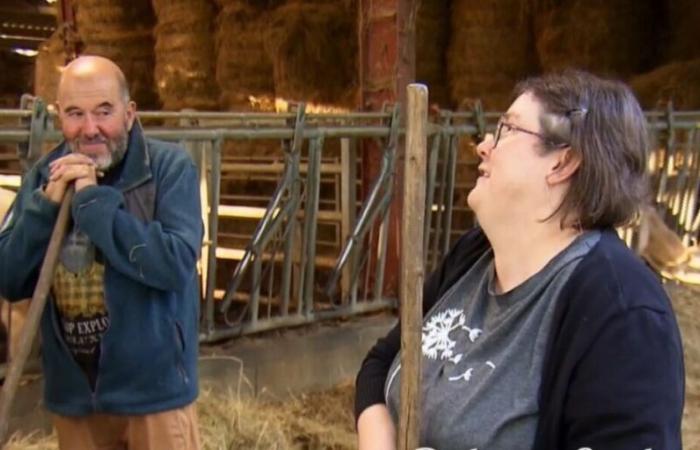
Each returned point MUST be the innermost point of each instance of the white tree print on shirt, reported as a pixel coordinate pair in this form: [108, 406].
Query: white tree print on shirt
[436, 334]
[466, 376]
[437, 343]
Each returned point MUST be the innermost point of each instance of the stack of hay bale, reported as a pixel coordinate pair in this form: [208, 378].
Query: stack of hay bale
[185, 54]
[491, 48]
[684, 16]
[678, 82]
[432, 37]
[677, 79]
[610, 37]
[243, 67]
[122, 30]
[244, 76]
[49, 63]
[313, 48]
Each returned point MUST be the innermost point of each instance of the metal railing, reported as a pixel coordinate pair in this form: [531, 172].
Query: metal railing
[675, 170]
[278, 280]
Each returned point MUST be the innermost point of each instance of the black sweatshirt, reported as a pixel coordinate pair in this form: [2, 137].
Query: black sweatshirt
[613, 376]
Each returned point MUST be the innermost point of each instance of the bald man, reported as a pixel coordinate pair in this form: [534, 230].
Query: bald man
[119, 333]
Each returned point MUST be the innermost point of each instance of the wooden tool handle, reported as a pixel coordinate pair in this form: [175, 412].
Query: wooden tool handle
[412, 263]
[36, 307]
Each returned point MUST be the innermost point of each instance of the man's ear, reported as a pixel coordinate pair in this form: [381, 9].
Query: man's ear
[564, 166]
[130, 114]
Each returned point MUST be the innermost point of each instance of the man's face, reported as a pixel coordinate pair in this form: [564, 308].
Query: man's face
[96, 119]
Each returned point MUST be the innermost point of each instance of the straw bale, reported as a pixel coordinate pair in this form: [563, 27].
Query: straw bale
[49, 63]
[124, 11]
[120, 43]
[180, 7]
[662, 248]
[184, 70]
[314, 51]
[677, 82]
[185, 17]
[138, 72]
[684, 18]
[122, 30]
[243, 67]
[432, 38]
[258, 4]
[105, 13]
[611, 37]
[491, 48]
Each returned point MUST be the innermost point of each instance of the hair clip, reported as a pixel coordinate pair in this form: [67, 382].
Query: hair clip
[578, 112]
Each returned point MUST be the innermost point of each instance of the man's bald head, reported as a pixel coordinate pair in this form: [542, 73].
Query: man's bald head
[95, 111]
[89, 68]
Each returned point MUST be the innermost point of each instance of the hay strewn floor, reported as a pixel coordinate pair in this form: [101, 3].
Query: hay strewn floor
[324, 420]
[311, 421]
[314, 421]
[686, 303]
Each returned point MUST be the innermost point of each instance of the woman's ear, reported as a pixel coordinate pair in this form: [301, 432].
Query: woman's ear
[564, 167]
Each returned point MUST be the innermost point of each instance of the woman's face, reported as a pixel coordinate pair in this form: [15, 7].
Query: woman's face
[512, 185]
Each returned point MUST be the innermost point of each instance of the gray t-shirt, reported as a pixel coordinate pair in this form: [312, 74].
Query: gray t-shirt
[483, 354]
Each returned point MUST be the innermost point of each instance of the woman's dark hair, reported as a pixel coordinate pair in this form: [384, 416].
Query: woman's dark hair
[602, 122]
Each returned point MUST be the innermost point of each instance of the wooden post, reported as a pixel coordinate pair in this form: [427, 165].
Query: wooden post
[66, 19]
[36, 307]
[386, 56]
[412, 260]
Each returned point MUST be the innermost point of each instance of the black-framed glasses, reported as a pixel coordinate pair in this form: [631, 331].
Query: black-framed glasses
[509, 127]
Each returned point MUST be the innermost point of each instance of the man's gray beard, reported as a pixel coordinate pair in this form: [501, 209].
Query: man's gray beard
[117, 150]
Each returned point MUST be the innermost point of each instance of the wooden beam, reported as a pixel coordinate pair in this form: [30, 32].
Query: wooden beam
[387, 64]
[66, 20]
[24, 28]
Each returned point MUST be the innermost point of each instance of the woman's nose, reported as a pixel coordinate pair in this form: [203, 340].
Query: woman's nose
[485, 146]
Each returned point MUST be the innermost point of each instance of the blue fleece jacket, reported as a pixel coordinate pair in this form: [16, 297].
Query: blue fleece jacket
[148, 227]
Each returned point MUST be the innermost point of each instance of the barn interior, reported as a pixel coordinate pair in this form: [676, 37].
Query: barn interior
[235, 80]
[227, 51]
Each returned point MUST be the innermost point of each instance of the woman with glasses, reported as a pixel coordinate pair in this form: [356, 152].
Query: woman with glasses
[542, 330]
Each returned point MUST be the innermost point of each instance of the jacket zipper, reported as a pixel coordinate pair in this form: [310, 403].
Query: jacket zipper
[59, 335]
[99, 358]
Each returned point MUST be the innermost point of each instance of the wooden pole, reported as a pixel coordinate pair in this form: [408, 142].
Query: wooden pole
[66, 20]
[412, 262]
[387, 63]
[36, 307]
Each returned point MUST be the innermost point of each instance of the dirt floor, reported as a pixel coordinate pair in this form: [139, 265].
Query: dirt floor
[324, 420]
